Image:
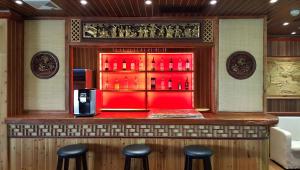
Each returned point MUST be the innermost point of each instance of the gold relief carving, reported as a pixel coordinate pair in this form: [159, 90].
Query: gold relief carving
[283, 77]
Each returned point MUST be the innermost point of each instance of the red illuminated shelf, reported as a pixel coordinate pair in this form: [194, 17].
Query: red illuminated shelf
[123, 90]
[176, 71]
[170, 90]
[123, 110]
[122, 71]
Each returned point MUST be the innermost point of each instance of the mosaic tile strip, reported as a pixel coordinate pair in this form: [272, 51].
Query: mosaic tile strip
[144, 131]
[75, 30]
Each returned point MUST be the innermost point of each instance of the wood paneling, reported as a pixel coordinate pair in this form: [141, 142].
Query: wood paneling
[283, 105]
[277, 13]
[284, 47]
[15, 67]
[167, 154]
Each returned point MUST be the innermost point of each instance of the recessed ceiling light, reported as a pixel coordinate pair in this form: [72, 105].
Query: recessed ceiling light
[295, 12]
[83, 2]
[293, 33]
[273, 1]
[213, 2]
[19, 2]
[148, 2]
[286, 24]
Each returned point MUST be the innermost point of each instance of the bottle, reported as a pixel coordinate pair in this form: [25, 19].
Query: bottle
[180, 65]
[132, 65]
[187, 65]
[124, 64]
[162, 84]
[141, 64]
[125, 82]
[179, 86]
[106, 66]
[153, 64]
[153, 83]
[170, 84]
[136, 84]
[115, 65]
[117, 84]
[161, 65]
[186, 84]
[171, 64]
[106, 84]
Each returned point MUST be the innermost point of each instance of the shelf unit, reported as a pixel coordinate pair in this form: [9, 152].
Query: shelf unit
[124, 81]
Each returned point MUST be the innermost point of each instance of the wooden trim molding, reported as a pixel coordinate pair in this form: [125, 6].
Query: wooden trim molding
[141, 131]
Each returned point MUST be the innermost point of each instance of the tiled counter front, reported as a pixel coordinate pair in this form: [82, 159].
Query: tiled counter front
[143, 131]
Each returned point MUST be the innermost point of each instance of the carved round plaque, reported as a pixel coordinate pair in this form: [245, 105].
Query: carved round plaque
[241, 65]
[44, 65]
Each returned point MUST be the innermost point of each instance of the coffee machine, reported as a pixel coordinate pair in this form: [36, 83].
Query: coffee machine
[85, 102]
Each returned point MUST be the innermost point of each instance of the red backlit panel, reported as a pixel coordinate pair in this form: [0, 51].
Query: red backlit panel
[124, 100]
[170, 100]
[170, 61]
[177, 81]
[123, 81]
[116, 61]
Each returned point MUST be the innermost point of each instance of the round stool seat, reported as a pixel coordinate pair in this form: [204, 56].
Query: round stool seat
[136, 150]
[72, 150]
[197, 151]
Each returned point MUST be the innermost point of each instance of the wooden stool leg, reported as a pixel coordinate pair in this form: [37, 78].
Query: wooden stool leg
[66, 164]
[59, 163]
[186, 163]
[207, 164]
[190, 163]
[127, 163]
[146, 163]
[84, 164]
[78, 163]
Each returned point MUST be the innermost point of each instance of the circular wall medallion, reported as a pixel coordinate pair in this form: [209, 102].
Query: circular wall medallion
[44, 64]
[241, 65]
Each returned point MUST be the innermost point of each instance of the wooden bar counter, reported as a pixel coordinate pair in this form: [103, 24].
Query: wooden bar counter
[240, 141]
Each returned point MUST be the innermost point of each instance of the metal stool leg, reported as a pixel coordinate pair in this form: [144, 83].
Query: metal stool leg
[59, 163]
[207, 164]
[186, 163]
[190, 163]
[84, 164]
[146, 163]
[66, 164]
[78, 163]
[127, 163]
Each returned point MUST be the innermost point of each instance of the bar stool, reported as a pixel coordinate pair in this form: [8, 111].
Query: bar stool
[136, 151]
[77, 151]
[197, 152]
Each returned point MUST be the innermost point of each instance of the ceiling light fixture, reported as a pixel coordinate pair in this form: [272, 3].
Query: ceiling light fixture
[293, 33]
[213, 2]
[83, 2]
[273, 1]
[295, 12]
[19, 2]
[148, 2]
[286, 24]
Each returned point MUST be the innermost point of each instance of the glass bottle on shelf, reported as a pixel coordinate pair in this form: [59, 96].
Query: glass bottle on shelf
[186, 84]
[124, 64]
[162, 84]
[170, 84]
[106, 84]
[179, 86]
[136, 84]
[171, 64]
[161, 65]
[106, 65]
[117, 85]
[153, 83]
[179, 65]
[132, 65]
[187, 65]
[153, 64]
[126, 82]
[141, 64]
[115, 65]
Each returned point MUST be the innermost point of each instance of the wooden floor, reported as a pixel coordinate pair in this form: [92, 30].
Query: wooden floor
[274, 166]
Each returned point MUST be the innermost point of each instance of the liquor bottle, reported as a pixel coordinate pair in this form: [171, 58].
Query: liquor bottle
[171, 64]
[187, 65]
[124, 64]
[179, 86]
[132, 65]
[153, 83]
[186, 84]
[106, 66]
[170, 84]
[117, 84]
[180, 65]
[136, 84]
[141, 64]
[115, 65]
[153, 64]
[106, 84]
[125, 82]
[161, 65]
[162, 84]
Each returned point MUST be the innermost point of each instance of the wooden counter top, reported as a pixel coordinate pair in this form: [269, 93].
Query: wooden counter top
[224, 118]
